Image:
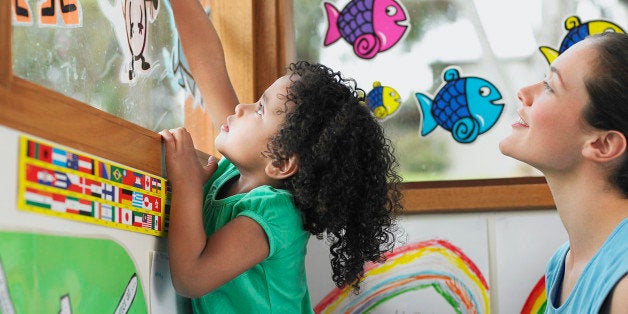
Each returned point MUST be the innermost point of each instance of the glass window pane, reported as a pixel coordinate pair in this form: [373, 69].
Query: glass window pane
[93, 51]
[497, 41]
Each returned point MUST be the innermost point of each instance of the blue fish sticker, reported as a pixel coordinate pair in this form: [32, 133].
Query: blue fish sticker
[577, 32]
[466, 107]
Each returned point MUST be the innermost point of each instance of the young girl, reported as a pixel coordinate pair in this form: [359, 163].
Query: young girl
[306, 158]
[573, 127]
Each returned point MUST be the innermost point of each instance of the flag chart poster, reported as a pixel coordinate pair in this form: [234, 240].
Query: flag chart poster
[62, 182]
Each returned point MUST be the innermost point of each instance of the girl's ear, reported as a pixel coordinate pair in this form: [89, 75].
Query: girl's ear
[286, 169]
[606, 146]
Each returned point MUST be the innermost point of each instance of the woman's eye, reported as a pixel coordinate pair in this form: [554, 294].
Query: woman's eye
[547, 87]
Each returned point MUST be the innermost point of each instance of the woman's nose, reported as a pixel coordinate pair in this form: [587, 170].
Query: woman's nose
[526, 95]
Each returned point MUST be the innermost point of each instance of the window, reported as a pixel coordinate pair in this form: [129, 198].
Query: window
[94, 53]
[60, 113]
[497, 41]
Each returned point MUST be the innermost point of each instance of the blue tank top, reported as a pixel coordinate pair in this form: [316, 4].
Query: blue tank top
[598, 278]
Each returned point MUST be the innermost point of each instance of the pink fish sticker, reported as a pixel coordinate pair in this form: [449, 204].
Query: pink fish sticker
[371, 26]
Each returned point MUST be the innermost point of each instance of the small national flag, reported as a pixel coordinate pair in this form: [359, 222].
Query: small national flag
[148, 183]
[137, 219]
[156, 223]
[40, 175]
[95, 187]
[123, 216]
[61, 181]
[132, 178]
[110, 193]
[147, 221]
[59, 157]
[127, 216]
[126, 196]
[72, 205]
[58, 203]
[117, 174]
[85, 207]
[37, 198]
[75, 183]
[86, 186]
[72, 161]
[96, 212]
[39, 151]
[138, 181]
[104, 170]
[106, 212]
[138, 200]
[146, 203]
[85, 165]
[152, 203]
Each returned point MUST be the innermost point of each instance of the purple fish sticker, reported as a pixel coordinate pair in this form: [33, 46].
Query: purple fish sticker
[371, 26]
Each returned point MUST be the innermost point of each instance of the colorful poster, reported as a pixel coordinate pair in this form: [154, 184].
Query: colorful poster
[439, 266]
[45, 273]
[63, 182]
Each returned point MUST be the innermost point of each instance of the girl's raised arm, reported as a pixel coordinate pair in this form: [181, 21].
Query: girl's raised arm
[204, 53]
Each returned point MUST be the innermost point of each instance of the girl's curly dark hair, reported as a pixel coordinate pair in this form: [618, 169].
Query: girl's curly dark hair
[346, 186]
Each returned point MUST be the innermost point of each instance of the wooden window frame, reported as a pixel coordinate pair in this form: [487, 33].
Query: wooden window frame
[258, 41]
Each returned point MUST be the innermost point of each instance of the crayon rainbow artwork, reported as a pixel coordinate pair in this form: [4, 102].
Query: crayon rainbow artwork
[537, 300]
[432, 264]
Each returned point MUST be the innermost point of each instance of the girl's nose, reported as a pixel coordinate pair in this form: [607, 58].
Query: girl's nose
[238, 109]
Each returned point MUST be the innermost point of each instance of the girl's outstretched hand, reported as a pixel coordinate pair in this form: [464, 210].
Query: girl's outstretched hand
[182, 165]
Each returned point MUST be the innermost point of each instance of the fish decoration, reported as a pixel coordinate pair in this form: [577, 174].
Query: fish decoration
[464, 106]
[577, 32]
[383, 101]
[371, 26]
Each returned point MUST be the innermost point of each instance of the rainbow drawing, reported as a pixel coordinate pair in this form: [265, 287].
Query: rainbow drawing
[435, 264]
[537, 300]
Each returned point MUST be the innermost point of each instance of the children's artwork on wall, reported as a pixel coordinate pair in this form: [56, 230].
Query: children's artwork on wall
[433, 264]
[130, 20]
[371, 26]
[523, 245]
[52, 13]
[464, 106]
[60, 13]
[537, 300]
[577, 31]
[65, 183]
[434, 269]
[22, 13]
[40, 273]
[383, 101]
